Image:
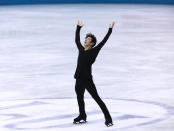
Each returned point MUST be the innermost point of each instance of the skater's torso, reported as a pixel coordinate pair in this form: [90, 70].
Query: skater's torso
[84, 63]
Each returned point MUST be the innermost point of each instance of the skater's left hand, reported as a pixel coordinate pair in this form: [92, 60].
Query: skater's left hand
[111, 26]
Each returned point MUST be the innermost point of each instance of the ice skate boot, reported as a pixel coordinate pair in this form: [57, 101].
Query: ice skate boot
[108, 122]
[80, 119]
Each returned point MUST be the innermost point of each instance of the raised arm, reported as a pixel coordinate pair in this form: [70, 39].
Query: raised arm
[100, 45]
[77, 35]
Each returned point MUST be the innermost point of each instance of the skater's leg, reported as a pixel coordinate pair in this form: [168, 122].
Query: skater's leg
[80, 90]
[91, 88]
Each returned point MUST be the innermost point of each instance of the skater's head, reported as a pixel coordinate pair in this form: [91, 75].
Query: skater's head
[90, 40]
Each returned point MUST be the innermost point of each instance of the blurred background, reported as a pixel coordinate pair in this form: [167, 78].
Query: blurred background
[38, 58]
[11, 2]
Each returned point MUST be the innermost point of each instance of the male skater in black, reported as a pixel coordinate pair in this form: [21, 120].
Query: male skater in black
[83, 76]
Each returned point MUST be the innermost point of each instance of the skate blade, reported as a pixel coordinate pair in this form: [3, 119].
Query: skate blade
[80, 122]
[110, 124]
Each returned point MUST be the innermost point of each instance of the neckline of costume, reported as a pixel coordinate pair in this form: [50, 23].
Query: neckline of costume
[87, 50]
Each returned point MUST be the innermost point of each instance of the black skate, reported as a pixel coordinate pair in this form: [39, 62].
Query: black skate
[108, 122]
[80, 119]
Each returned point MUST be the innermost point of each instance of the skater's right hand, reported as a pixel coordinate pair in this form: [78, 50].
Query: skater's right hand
[79, 23]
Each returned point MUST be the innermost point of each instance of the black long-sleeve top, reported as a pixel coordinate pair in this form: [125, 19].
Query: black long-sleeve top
[87, 58]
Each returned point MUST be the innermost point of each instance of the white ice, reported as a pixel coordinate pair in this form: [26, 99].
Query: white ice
[134, 71]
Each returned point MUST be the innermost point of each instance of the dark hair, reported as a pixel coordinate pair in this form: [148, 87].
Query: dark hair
[94, 39]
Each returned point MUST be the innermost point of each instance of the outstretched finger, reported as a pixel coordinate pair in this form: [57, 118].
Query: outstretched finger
[113, 23]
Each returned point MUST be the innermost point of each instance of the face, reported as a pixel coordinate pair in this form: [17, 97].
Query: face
[88, 42]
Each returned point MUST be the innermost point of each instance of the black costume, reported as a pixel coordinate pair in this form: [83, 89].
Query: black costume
[83, 76]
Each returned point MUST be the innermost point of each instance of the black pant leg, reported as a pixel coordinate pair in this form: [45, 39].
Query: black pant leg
[91, 88]
[80, 90]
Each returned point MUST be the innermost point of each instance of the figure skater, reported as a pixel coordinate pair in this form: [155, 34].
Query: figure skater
[83, 76]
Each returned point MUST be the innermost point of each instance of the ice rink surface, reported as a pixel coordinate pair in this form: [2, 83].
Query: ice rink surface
[133, 73]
